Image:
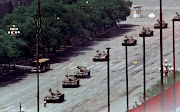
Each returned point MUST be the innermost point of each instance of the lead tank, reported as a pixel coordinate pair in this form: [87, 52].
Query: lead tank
[54, 97]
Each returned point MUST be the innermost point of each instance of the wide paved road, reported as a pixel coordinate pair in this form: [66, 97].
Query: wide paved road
[91, 95]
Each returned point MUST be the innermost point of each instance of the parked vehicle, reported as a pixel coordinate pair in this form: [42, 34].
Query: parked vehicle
[42, 66]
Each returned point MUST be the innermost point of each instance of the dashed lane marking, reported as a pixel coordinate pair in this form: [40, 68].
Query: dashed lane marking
[115, 75]
[66, 67]
[100, 102]
[81, 103]
[89, 108]
[122, 67]
[138, 67]
[88, 90]
[90, 97]
[98, 66]
[70, 109]
[58, 67]
[90, 66]
[115, 66]
[104, 67]
[154, 67]
[130, 66]
[53, 66]
[119, 90]
[98, 84]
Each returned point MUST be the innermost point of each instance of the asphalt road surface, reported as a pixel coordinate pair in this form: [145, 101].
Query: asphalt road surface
[91, 96]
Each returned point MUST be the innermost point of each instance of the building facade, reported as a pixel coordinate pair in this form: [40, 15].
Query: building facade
[7, 6]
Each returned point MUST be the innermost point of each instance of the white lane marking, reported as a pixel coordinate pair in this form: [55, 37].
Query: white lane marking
[98, 66]
[9, 108]
[98, 63]
[122, 67]
[119, 91]
[98, 84]
[53, 66]
[115, 74]
[100, 92]
[115, 66]
[154, 67]
[89, 108]
[90, 97]
[138, 67]
[67, 66]
[90, 66]
[124, 70]
[80, 103]
[100, 102]
[54, 78]
[104, 67]
[77, 95]
[74, 67]
[88, 90]
[85, 63]
[58, 67]
[130, 66]
[70, 109]
[41, 77]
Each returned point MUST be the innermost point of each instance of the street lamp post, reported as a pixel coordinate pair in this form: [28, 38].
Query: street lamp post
[14, 31]
[108, 78]
[38, 21]
[127, 94]
[144, 66]
[144, 33]
[176, 18]
[174, 70]
[161, 60]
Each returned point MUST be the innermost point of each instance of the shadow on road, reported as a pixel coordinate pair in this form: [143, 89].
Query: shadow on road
[78, 49]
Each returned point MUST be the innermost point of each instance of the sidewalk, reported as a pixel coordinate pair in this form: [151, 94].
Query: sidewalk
[154, 104]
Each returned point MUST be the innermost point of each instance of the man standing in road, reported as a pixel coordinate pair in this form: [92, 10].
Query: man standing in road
[45, 103]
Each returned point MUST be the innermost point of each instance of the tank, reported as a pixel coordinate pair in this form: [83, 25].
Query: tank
[100, 56]
[70, 81]
[54, 97]
[82, 72]
[130, 41]
[157, 25]
[147, 32]
[177, 17]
